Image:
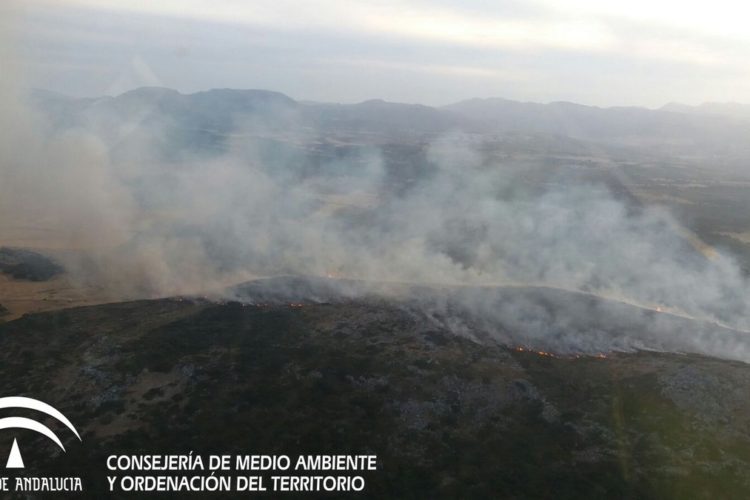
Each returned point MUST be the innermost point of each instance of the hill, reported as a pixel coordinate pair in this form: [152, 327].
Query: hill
[446, 416]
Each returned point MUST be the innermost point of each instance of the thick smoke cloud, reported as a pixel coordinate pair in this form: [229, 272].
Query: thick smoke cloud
[150, 224]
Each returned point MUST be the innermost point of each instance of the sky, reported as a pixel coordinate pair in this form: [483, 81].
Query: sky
[597, 52]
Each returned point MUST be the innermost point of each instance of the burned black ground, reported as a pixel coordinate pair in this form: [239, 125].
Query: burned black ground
[447, 416]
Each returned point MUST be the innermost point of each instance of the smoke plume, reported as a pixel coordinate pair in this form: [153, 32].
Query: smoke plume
[153, 221]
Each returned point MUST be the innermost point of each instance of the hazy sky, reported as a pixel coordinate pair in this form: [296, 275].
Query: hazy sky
[635, 52]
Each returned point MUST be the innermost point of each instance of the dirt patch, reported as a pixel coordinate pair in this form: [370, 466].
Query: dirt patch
[21, 297]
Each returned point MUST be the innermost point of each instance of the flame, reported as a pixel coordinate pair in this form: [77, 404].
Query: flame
[334, 273]
[540, 353]
[553, 355]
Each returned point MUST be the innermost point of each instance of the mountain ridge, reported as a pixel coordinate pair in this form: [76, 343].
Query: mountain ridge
[665, 107]
[204, 117]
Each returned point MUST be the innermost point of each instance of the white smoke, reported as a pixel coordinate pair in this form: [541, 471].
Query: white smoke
[152, 226]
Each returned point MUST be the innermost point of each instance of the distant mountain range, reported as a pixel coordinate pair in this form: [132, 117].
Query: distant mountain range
[675, 129]
[726, 109]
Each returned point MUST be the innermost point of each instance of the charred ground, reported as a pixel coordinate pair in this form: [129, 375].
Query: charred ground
[447, 416]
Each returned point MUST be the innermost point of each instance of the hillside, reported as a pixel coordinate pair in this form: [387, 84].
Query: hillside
[446, 416]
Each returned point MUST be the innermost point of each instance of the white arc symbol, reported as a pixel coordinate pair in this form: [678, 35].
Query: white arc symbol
[15, 460]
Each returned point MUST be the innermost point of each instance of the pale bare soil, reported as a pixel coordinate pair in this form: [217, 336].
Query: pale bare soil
[22, 297]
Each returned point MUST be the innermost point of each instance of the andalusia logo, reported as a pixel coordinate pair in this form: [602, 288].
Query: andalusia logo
[15, 460]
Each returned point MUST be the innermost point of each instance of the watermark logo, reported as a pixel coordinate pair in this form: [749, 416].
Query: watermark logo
[15, 459]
